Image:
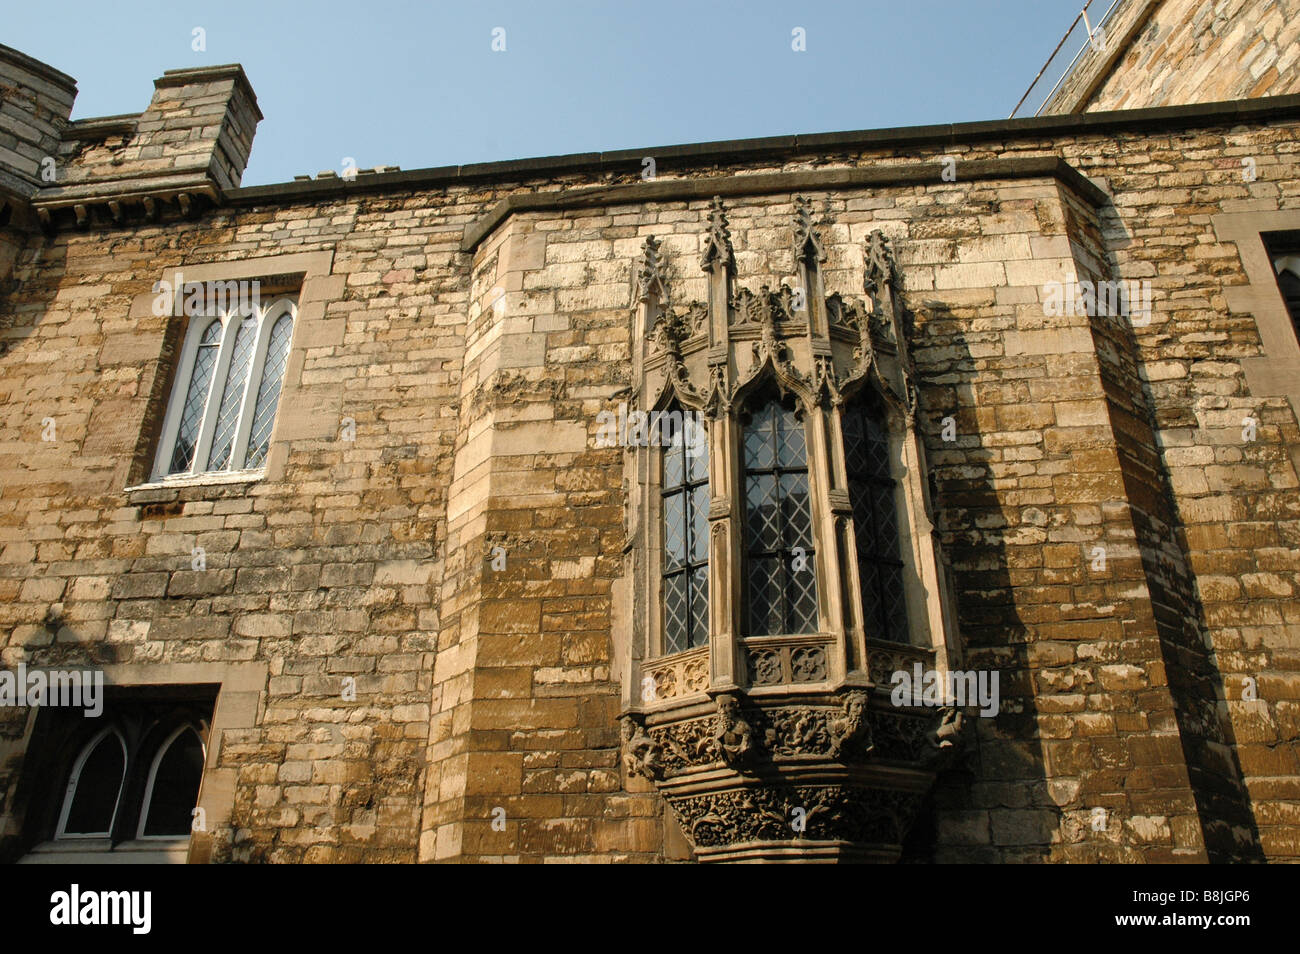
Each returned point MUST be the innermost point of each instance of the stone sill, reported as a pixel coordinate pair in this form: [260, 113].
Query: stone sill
[92, 851]
[195, 487]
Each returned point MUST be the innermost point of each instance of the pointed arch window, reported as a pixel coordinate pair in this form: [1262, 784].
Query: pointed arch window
[227, 392]
[779, 549]
[94, 788]
[172, 788]
[684, 509]
[873, 494]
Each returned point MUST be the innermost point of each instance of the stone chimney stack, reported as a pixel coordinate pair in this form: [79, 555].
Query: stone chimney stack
[189, 146]
[200, 121]
[35, 103]
[187, 149]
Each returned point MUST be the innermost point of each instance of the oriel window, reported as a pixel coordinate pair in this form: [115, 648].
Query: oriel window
[780, 570]
[685, 509]
[873, 494]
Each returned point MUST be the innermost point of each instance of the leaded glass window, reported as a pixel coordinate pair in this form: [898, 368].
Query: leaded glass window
[685, 509]
[872, 492]
[196, 399]
[782, 579]
[233, 373]
[268, 391]
[232, 396]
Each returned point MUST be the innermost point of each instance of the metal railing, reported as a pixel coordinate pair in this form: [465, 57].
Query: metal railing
[1083, 33]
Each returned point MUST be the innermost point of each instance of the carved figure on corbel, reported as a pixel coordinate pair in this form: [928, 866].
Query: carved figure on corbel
[850, 731]
[947, 738]
[641, 754]
[733, 736]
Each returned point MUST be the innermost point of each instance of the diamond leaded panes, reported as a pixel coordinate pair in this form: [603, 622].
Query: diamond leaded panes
[782, 581]
[232, 397]
[268, 391]
[232, 393]
[196, 399]
[873, 495]
[685, 510]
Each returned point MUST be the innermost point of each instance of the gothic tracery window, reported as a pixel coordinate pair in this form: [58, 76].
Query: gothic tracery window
[782, 583]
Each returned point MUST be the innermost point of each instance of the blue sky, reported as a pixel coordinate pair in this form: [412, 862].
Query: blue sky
[417, 84]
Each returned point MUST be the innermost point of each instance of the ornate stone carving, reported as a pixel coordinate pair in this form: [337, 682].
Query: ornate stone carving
[880, 265]
[764, 308]
[695, 319]
[883, 662]
[771, 664]
[844, 313]
[650, 278]
[850, 732]
[733, 737]
[718, 392]
[667, 335]
[900, 736]
[717, 242]
[947, 738]
[640, 752]
[869, 817]
[685, 744]
[808, 664]
[807, 244]
[765, 668]
[677, 675]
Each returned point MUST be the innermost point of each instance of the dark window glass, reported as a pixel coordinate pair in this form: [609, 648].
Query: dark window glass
[1284, 253]
[685, 509]
[98, 785]
[782, 591]
[872, 492]
[176, 787]
[1290, 285]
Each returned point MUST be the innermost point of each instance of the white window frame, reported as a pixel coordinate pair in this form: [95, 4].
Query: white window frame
[153, 774]
[198, 324]
[70, 792]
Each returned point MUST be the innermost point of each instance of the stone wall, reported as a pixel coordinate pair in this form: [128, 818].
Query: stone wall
[1174, 52]
[472, 371]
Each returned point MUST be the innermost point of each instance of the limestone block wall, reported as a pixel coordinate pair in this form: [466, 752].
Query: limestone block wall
[1174, 52]
[472, 377]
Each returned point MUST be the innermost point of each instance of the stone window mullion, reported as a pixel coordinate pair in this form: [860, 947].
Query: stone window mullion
[725, 543]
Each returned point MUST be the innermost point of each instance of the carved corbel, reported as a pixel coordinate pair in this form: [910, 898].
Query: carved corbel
[850, 732]
[947, 738]
[641, 754]
[82, 214]
[150, 209]
[733, 736]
